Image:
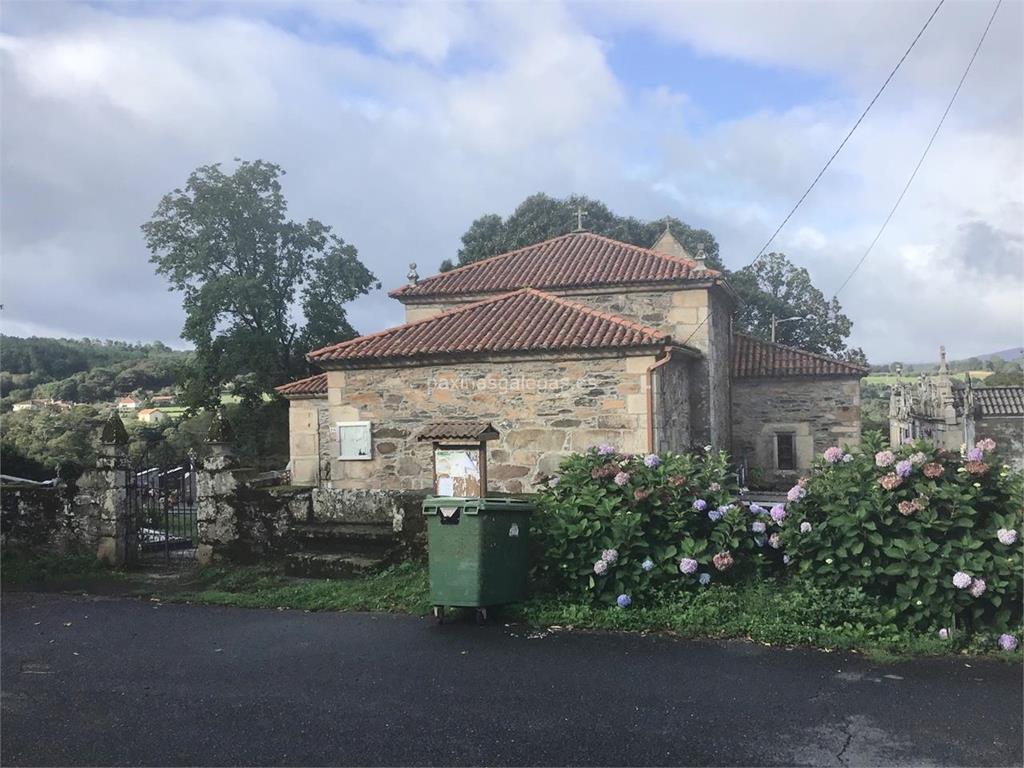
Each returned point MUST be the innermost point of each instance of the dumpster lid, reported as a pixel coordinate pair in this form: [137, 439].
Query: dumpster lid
[472, 505]
[458, 430]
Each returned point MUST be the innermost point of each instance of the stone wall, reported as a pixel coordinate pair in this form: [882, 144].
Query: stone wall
[1008, 432]
[30, 517]
[544, 409]
[819, 411]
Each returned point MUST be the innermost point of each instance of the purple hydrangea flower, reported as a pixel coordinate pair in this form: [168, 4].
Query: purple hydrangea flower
[600, 568]
[833, 455]
[554, 481]
[977, 588]
[757, 509]
[778, 513]
[715, 515]
[687, 565]
[610, 556]
[904, 468]
[1008, 642]
[652, 460]
[623, 601]
[805, 527]
[647, 565]
[943, 634]
[757, 527]
[725, 509]
[884, 458]
[704, 579]
[606, 450]
[1006, 536]
[700, 505]
[975, 454]
[961, 580]
[796, 493]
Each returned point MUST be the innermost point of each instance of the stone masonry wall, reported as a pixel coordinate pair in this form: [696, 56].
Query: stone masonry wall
[544, 409]
[1008, 432]
[819, 411]
[303, 439]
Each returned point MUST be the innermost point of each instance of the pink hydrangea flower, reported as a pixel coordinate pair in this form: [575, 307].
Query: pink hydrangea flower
[961, 580]
[933, 470]
[774, 541]
[988, 444]
[622, 478]
[610, 556]
[907, 508]
[884, 458]
[833, 455]
[796, 493]
[1006, 536]
[976, 467]
[890, 481]
[600, 568]
[723, 561]
[715, 487]
[917, 459]
[977, 588]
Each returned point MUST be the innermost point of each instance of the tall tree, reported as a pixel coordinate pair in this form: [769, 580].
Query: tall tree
[774, 286]
[541, 217]
[246, 272]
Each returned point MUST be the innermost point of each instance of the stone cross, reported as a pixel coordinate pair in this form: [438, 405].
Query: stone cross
[580, 213]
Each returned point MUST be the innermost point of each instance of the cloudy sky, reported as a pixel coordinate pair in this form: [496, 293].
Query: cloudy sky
[399, 124]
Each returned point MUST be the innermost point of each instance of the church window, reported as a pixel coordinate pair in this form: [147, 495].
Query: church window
[785, 451]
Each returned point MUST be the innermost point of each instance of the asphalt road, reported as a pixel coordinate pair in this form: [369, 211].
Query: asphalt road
[109, 681]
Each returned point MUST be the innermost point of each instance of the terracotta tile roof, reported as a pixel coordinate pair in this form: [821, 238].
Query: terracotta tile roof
[458, 430]
[753, 358]
[312, 386]
[523, 321]
[576, 260]
[999, 401]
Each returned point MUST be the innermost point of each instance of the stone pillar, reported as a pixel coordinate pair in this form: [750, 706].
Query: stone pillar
[110, 493]
[216, 483]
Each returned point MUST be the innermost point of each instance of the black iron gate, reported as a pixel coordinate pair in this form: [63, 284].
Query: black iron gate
[162, 515]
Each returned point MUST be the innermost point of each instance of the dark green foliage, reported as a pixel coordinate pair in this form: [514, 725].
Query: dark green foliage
[906, 557]
[774, 285]
[246, 271]
[540, 217]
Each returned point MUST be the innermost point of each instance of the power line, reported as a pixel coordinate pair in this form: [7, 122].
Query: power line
[842, 144]
[925, 153]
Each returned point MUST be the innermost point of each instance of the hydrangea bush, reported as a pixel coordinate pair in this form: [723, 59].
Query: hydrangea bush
[933, 535]
[611, 525]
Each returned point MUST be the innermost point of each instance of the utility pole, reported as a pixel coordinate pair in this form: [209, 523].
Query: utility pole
[776, 322]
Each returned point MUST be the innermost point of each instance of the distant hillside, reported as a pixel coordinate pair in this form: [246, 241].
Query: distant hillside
[1014, 355]
[82, 370]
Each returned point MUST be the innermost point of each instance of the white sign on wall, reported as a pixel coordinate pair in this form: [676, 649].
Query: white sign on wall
[354, 441]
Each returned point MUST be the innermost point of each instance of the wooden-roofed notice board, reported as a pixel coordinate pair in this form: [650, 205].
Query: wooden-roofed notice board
[460, 466]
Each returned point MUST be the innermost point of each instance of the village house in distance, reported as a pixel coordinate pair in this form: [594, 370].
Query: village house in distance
[572, 342]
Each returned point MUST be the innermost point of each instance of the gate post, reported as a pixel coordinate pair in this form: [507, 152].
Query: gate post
[216, 517]
[111, 488]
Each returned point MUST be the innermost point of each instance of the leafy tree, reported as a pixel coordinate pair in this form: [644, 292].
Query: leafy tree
[1012, 375]
[246, 271]
[541, 217]
[775, 286]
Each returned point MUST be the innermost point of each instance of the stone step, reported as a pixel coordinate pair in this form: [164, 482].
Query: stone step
[356, 538]
[328, 565]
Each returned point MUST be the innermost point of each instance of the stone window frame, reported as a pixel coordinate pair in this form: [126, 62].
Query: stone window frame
[351, 424]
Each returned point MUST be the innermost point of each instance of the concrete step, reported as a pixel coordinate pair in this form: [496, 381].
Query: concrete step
[330, 565]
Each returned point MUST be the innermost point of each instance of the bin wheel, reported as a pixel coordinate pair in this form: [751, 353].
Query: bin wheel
[439, 614]
[481, 615]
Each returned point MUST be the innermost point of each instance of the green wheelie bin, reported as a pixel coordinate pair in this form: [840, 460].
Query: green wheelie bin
[478, 552]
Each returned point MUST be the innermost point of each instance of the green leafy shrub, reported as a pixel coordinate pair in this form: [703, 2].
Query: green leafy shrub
[612, 524]
[933, 536]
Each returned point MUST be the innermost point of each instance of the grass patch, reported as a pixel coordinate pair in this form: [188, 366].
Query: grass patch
[20, 569]
[401, 588]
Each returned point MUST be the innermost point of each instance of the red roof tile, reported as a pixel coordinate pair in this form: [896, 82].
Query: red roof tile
[576, 260]
[523, 321]
[756, 358]
[309, 387]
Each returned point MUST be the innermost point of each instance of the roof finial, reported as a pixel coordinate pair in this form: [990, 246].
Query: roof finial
[580, 213]
[413, 276]
[942, 360]
[701, 256]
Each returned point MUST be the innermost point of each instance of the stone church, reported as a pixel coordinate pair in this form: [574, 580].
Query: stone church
[569, 343]
[952, 413]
